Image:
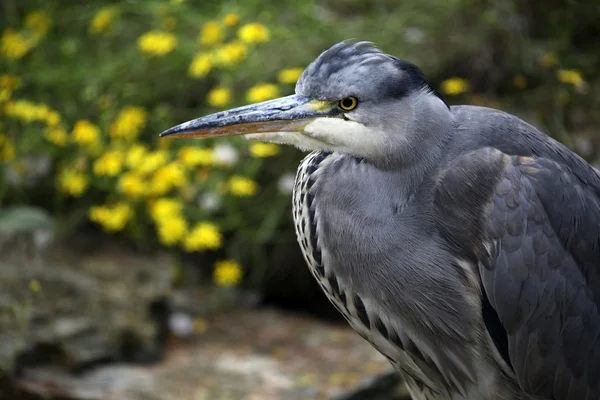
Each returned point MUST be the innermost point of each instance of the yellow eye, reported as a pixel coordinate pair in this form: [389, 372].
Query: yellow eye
[348, 103]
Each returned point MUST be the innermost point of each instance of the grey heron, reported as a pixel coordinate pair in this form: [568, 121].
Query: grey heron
[461, 242]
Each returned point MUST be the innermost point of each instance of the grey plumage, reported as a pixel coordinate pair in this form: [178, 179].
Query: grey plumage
[461, 242]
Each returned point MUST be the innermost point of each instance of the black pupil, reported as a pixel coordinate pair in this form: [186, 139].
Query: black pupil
[347, 102]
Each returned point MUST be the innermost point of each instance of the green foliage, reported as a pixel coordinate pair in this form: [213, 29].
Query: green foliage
[86, 88]
[88, 91]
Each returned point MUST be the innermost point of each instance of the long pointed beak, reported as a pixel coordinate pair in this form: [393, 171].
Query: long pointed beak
[286, 114]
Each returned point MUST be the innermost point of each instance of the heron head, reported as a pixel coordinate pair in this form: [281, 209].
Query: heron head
[353, 99]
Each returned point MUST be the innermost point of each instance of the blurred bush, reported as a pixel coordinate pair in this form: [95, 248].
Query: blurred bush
[85, 89]
[81, 110]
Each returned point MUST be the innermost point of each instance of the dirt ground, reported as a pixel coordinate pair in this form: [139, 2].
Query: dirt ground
[241, 353]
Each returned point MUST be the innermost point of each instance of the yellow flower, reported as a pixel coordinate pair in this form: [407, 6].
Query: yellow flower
[231, 54]
[8, 83]
[194, 156]
[200, 65]
[219, 97]
[57, 136]
[42, 112]
[204, 236]
[254, 33]
[157, 43]
[231, 19]
[548, 60]
[21, 109]
[570, 76]
[129, 123]
[52, 119]
[35, 285]
[5, 94]
[132, 184]
[259, 149]
[211, 33]
[102, 20]
[289, 75]
[172, 230]
[168, 177]
[14, 45]
[262, 92]
[109, 164]
[27, 111]
[520, 81]
[227, 273]
[7, 149]
[87, 135]
[112, 218]
[455, 86]
[72, 182]
[242, 186]
[158, 187]
[172, 174]
[38, 22]
[152, 161]
[135, 155]
[165, 208]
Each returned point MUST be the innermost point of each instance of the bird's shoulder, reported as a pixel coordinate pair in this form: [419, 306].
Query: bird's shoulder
[525, 209]
[492, 149]
[480, 127]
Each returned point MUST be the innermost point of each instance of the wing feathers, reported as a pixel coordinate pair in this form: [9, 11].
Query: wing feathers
[543, 277]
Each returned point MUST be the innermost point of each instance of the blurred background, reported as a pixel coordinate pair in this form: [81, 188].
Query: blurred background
[133, 267]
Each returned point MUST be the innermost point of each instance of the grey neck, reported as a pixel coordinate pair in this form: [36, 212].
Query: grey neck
[421, 142]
